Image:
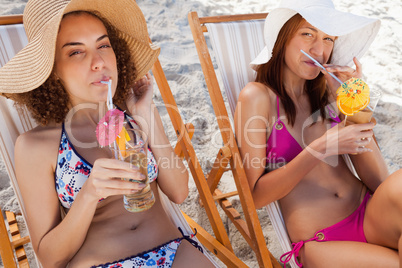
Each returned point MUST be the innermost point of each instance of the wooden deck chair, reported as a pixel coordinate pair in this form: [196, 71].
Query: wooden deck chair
[220, 244]
[236, 40]
[13, 123]
[235, 75]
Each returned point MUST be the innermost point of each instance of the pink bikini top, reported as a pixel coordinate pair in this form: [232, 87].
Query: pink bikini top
[281, 146]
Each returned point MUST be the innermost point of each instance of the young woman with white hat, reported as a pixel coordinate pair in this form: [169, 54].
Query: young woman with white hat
[287, 127]
[73, 47]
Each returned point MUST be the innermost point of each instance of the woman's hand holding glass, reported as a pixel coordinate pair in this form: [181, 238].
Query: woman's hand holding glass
[343, 140]
[105, 179]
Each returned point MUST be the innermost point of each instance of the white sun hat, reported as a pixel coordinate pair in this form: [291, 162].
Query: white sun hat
[355, 33]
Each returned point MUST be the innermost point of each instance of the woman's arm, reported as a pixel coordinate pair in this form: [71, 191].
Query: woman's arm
[54, 240]
[173, 175]
[370, 167]
[251, 126]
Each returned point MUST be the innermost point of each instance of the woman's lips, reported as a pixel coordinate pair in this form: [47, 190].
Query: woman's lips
[99, 82]
[311, 63]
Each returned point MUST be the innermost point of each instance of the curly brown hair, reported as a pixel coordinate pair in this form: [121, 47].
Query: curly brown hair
[49, 102]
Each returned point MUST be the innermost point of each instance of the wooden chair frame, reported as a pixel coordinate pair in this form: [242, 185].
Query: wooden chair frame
[220, 246]
[229, 154]
[15, 247]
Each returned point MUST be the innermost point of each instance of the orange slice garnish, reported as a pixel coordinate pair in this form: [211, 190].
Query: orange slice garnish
[352, 96]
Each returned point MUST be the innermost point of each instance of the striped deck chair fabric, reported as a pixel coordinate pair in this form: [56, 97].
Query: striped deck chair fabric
[14, 122]
[235, 45]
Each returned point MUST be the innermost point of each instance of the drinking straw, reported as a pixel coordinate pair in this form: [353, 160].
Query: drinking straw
[123, 137]
[109, 101]
[322, 67]
[109, 104]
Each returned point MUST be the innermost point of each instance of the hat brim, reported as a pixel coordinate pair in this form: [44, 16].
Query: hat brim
[32, 65]
[355, 33]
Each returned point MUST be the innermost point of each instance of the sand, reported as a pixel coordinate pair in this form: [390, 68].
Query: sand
[168, 28]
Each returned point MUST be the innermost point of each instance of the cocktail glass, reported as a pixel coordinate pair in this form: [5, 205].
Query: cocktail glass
[132, 147]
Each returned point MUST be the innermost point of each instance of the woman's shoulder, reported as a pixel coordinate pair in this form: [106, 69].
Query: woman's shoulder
[256, 91]
[39, 141]
[257, 95]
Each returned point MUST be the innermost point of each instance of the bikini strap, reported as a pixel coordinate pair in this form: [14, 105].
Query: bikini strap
[334, 116]
[296, 247]
[332, 113]
[189, 239]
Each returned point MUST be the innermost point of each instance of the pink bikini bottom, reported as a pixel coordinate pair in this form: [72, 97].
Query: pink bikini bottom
[349, 229]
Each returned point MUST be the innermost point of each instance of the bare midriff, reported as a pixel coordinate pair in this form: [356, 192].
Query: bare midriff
[117, 234]
[325, 196]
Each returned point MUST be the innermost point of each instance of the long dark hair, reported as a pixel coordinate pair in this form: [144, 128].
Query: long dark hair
[271, 74]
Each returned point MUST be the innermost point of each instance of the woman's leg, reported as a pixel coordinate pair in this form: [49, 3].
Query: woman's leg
[335, 254]
[383, 217]
[189, 256]
[382, 228]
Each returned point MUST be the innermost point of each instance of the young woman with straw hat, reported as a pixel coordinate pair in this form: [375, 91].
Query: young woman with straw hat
[75, 46]
[287, 122]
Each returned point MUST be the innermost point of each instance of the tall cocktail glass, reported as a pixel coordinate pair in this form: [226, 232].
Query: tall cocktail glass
[132, 147]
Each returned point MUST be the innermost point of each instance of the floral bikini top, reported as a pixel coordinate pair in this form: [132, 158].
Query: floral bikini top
[73, 170]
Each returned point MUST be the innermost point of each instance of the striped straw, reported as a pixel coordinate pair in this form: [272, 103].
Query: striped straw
[319, 65]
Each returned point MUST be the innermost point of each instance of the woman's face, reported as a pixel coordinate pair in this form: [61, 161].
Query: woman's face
[313, 41]
[84, 57]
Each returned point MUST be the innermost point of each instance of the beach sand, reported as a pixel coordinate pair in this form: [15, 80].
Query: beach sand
[168, 28]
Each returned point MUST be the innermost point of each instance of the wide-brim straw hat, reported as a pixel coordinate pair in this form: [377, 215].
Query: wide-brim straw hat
[34, 63]
[355, 33]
